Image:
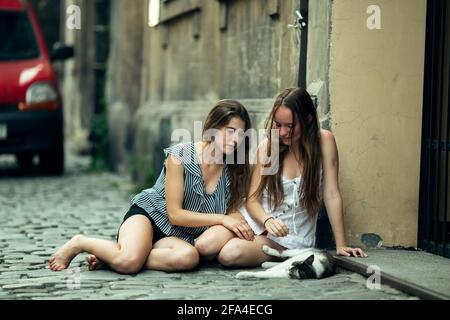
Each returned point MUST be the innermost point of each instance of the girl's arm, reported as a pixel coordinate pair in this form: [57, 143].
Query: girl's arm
[332, 196]
[179, 217]
[254, 208]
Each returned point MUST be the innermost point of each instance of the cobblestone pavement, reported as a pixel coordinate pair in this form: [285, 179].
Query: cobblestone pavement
[38, 214]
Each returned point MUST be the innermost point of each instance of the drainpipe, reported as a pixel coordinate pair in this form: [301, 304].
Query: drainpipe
[301, 23]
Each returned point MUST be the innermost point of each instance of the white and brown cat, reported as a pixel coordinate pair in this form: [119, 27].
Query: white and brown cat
[299, 264]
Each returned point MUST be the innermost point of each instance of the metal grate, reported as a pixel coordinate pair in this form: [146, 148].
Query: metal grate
[434, 217]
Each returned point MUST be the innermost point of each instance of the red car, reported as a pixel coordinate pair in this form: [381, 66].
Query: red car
[31, 113]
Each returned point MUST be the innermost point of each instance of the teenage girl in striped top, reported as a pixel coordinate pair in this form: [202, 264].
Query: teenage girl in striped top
[190, 212]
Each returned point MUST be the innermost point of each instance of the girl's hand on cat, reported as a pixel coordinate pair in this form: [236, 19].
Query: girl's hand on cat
[239, 226]
[276, 227]
[349, 252]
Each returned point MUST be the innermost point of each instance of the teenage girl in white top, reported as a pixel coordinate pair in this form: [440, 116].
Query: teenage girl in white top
[282, 207]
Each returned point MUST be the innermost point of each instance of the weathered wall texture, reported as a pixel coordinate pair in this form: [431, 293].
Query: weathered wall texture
[78, 84]
[203, 51]
[318, 57]
[123, 85]
[194, 54]
[376, 85]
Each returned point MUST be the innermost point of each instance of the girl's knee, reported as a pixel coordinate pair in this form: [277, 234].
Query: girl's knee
[231, 253]
[207, 247]
[127, 264]
[212, 241]
[185, 259]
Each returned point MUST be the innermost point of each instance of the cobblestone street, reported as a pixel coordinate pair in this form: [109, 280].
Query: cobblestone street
[38, 214]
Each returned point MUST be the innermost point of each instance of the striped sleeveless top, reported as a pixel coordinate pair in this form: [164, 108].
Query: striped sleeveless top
[196, 199]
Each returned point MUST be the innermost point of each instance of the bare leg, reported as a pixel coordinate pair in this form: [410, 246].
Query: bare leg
[64, 255]
[208, 245]
[210, 242]
[95, 263]
[172, 254]
[243, 253]
[126, 256]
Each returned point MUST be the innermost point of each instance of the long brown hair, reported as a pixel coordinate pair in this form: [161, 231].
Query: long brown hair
[238, 173]
[303, 111]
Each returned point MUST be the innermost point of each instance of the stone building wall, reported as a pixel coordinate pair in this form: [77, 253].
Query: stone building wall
[79, 76]
[203, 51]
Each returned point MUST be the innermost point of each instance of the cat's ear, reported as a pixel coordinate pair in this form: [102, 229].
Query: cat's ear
[310, 260]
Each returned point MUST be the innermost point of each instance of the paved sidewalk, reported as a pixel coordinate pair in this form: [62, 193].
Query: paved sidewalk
[424, 271]
[38, 214]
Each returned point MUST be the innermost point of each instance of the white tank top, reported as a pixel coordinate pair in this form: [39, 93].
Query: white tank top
[302, 227]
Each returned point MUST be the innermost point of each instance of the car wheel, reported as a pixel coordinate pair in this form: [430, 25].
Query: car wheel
[52, 162]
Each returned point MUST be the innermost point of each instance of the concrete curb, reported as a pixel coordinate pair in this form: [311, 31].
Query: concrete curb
[395, 282]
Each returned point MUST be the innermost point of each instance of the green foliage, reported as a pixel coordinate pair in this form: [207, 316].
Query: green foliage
[99, 133]
[143, 173]
[99, 143]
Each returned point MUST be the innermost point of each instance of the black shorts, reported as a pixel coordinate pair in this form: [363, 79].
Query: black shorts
[134, 210]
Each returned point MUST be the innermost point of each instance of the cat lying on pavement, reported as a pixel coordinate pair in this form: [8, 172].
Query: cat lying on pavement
[300, 264]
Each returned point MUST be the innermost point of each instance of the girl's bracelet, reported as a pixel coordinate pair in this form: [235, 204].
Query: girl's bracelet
[264, 224]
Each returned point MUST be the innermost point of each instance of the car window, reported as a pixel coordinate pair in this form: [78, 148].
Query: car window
[17, 40]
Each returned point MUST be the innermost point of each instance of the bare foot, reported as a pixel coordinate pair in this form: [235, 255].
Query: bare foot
[61, 259]
[95, 263]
